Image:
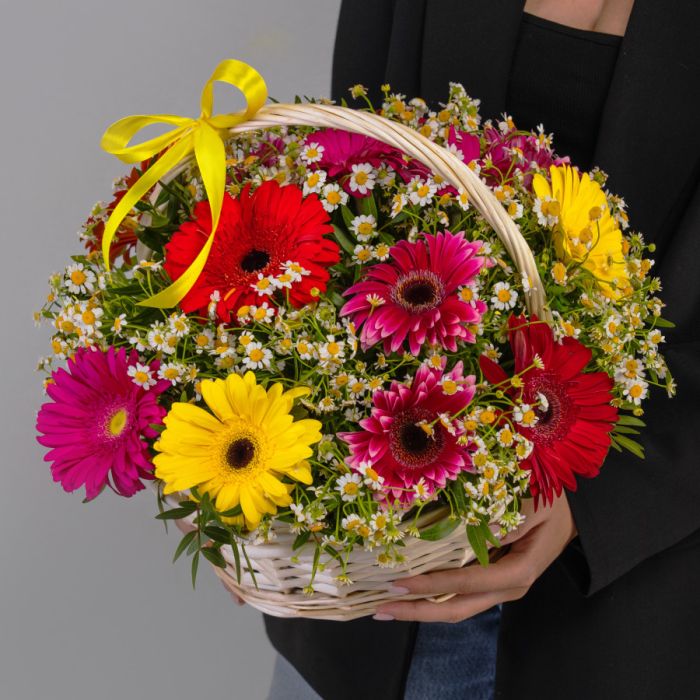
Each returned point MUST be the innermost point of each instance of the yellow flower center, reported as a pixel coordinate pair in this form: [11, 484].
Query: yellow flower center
[503, 295]
[171, 373]
[141, 377]
[635, 391]
[333, 197]
[202, 340]
[449, 387]
[311, 153]
[117, 423]
[77, 277]
[350, 488]
[423, 191]
[365, 228]
[361, 177]
[487, 417]
[333, 348]
[256, 354]
[312, 180]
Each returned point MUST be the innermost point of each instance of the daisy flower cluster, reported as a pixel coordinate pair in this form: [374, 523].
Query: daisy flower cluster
[356, 352]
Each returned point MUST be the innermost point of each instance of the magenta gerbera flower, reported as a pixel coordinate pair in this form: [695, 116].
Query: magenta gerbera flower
[100, 420]
[340, 150]
[416, 297]
[396, 439]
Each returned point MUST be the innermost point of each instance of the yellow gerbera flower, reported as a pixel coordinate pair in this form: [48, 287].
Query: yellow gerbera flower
[586, 232]
[241, 452]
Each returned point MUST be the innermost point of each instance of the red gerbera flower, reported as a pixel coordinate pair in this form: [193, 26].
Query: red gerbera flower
[272, 232]
[575, 418]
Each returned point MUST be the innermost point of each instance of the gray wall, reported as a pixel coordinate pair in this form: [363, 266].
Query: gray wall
[90, 605]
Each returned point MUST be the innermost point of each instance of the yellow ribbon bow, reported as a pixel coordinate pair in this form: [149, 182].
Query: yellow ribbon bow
[203, 136]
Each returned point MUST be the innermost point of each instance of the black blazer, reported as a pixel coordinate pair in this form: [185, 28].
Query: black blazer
[618, 614]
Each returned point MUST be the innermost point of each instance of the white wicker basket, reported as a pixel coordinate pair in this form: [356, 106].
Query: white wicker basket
[280, 581]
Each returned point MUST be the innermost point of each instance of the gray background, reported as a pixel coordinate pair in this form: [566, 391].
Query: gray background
[90, 605]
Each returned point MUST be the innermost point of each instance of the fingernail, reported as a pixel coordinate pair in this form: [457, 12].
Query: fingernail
[382, 616]
[398, 590]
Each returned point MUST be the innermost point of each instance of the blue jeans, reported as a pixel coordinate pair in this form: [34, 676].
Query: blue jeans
[449, 662]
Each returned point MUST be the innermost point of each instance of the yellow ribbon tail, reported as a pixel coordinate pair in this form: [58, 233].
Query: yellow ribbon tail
[210, 153]
[138, 190]
[170, 296]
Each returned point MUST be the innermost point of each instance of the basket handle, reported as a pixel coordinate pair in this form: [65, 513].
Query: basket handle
[435, 157]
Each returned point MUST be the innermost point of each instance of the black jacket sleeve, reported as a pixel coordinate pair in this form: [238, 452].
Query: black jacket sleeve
[637, 508]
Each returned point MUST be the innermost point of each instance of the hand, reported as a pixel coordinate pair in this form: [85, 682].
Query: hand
[533, 547]
[186, 527]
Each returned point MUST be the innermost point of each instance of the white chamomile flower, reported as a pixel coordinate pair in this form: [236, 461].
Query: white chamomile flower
[364, 227]
[349, 486]
[630, 368]
[263, 313]
[333, 196]
[636, 391]
[381, 251]
[178, 324]
[463, 199]
[421, 490]
[157, 337]
[79, 280]
[421, 192]
[264, 285]
[141, 375]
[203, 341]
[362, 254]
[398, 202]
[525, 415]
[370, 476]
[312, 152]
[171, 371]
[257, 357]
[362, 178]
[314, 181]
[504, 297]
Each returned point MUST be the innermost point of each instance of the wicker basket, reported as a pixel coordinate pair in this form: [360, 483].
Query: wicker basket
[280, 581]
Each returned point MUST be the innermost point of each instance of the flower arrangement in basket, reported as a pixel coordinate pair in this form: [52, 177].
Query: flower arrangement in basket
[344, 345]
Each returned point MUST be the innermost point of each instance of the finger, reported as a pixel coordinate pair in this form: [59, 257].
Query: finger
[513, 570]
[453, 610]
[236, 599]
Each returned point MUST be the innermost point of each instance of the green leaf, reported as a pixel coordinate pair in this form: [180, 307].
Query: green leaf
[441, 529]
[624, 429]
[232, 512]
[236, 559]
[663, 323]
[489, 535]
[174, 514]
[218, 534]
[368, 206]
[184, 543]
[477, 540]
[188, 505]
[250, 567]
[630, 420]
[215, 556]
[345, 243]
[634, 447]
[347, 215]
[301, 540]
[195, 566]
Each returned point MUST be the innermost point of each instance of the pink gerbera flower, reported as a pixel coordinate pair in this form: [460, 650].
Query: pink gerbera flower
[416, 297]
[340, 150]
[396, 439]
[99, 421]
[508, 153]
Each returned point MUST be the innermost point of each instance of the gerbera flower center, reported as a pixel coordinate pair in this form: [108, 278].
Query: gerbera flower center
[410, 444]
[240, 453]
[555, 411]
[117, 422]
[255, 260]
[418, 291]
